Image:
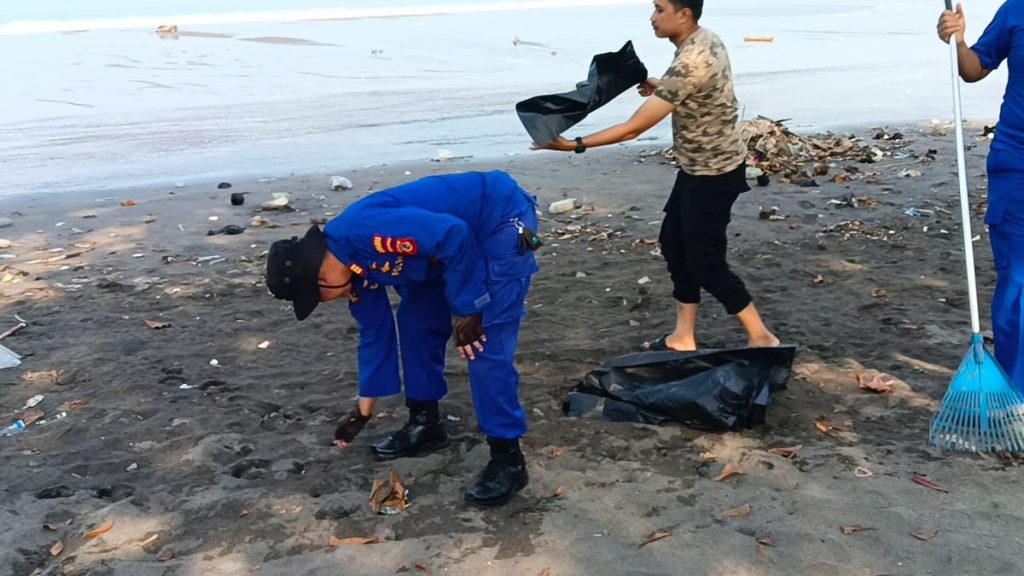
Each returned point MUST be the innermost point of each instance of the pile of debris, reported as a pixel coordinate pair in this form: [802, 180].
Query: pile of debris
[583, 231]
[776, 150]
[850, 229]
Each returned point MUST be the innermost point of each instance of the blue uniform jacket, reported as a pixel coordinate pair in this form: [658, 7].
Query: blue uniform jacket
[459, 227]
[1003, 40]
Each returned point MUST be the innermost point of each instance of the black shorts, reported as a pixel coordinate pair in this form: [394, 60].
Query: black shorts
[694, 242]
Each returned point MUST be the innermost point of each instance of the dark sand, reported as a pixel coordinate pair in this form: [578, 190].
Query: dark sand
[233, 475]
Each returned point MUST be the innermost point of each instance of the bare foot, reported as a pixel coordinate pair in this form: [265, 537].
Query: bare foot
[768, 340]
[681, 344]
[670, 342]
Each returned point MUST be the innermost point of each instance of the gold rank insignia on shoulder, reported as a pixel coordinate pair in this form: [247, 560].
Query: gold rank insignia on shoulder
[391, 245]
[399, 264]
[357, 269]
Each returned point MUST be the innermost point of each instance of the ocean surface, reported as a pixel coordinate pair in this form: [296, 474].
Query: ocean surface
[94, 99]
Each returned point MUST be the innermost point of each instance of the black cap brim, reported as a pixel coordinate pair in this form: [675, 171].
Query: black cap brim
[312, 249]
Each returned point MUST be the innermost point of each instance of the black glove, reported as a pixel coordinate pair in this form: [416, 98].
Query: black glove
[350, 426]
[467, 329]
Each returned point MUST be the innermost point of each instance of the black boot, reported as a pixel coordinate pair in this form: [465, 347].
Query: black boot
[422, 433]
[504, 475]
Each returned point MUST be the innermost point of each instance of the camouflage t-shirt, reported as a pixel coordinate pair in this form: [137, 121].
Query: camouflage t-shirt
[705, 124]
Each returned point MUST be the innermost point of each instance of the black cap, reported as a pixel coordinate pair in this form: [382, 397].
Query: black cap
[293, 270]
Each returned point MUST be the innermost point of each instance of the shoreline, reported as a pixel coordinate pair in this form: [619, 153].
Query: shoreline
[497, 159]
[131, 108]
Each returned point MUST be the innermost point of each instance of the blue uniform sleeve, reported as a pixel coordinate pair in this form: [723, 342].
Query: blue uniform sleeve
[378, 344]
[442, 237]
[994, 45]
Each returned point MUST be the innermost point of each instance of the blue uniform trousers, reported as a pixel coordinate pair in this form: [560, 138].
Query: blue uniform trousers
[1005, 219]
[1007, 238]
[424, 328]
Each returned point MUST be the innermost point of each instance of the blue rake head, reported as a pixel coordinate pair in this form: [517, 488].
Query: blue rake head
[981, 411]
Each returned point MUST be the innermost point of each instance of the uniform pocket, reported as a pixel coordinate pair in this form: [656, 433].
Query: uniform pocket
[503, 267]
[507, 299]
[504, 262]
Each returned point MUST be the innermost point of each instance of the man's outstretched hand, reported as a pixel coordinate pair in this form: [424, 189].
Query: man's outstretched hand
[469, 335]
[560, 144]
[647, 87]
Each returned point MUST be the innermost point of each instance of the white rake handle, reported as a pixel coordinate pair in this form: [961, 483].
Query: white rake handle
[961, 164]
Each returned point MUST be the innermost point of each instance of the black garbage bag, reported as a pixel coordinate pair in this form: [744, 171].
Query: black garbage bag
[611, 74]
[716, 390]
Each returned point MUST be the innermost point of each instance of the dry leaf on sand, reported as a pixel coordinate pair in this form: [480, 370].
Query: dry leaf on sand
[924, 534]
[824, 426]
[847, 530]
[767, 541]
[388, 496]
[157, 325]
[57, 548]
[708, 456]
[99, 530]
[877, 384]
[354, 541]
[787, 453]
[878, 292]
[559, 492]
[556, 452]
[165, 555]
[741, 512]
[655, 536]
[31, 416]
[728, 472]
[74, 405]
[422, 567]
[922, 481]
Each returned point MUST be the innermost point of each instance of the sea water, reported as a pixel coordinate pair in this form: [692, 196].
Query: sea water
[93, 98]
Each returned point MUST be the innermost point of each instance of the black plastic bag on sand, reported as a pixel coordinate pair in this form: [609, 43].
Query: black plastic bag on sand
[611, 74]
[717, 390]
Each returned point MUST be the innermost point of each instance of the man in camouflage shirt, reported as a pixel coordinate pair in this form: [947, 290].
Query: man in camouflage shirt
[697, 90]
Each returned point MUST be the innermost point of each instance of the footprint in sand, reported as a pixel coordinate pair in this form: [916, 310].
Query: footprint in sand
[173, 376]
[242, 450]
[55, 492]
[250, 468]
[337, 511]
[115, 493]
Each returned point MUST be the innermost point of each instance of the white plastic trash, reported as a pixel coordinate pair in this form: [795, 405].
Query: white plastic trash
[562, 206]
[277, 203]
[339, 183]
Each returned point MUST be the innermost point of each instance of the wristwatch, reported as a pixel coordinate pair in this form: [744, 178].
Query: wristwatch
[580, 148]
